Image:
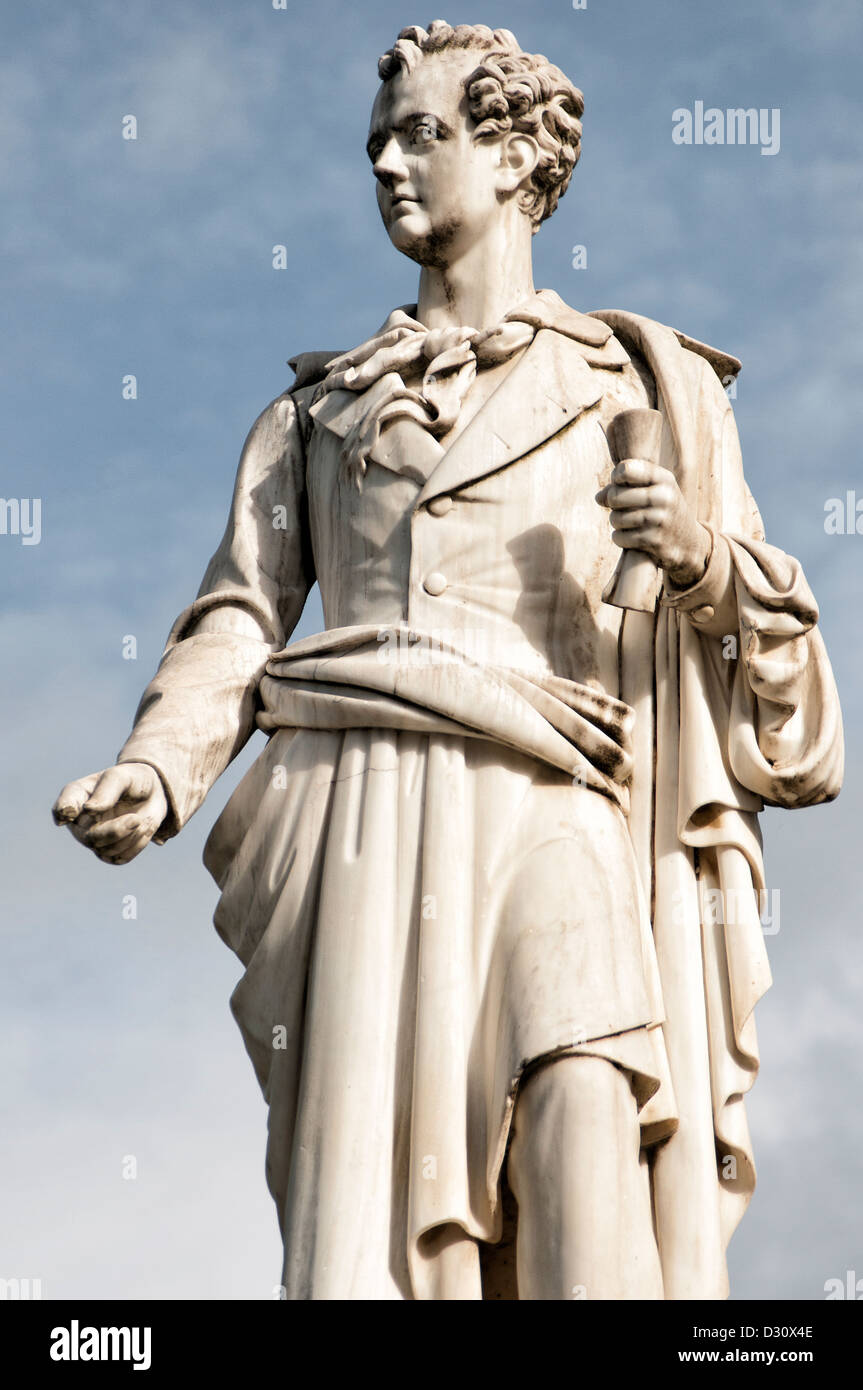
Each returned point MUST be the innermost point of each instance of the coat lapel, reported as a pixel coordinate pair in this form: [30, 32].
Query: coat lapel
[548, 388]
[404, 446]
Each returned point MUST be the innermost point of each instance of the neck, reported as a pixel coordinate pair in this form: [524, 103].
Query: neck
[480, 286]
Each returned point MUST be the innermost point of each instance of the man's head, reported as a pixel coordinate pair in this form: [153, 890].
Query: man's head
[464, 123]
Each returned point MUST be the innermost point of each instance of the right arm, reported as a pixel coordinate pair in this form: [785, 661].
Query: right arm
[199, 709]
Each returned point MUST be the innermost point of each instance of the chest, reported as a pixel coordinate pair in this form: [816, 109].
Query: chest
[553, 482]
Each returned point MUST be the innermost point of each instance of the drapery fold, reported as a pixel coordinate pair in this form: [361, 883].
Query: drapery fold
[366, 677]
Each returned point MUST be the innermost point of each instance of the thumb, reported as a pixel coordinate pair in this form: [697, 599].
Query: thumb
[124, 780]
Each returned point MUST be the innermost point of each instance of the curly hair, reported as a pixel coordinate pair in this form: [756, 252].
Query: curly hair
[510, 90]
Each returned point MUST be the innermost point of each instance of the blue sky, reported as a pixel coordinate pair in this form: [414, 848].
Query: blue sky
[154, 257]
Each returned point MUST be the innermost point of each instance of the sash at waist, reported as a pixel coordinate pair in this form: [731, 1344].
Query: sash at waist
[350, 678]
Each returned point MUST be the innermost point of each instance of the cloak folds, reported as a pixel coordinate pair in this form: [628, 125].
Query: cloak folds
[724, 736]
[719, 728]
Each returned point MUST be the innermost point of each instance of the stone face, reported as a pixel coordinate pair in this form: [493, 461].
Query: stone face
[494, 878]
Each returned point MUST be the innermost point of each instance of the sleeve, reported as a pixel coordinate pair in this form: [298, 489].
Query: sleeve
[756, 611]
[199, 709]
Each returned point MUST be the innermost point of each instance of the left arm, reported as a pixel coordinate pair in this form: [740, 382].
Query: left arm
[785, 727]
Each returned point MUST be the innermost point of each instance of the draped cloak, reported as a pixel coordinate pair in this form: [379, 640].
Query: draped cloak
[725, 701]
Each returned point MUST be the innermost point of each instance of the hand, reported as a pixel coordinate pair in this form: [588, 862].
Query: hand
[114, 813]
[648, 512]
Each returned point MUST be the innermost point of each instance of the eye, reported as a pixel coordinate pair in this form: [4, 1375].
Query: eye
[424, 133]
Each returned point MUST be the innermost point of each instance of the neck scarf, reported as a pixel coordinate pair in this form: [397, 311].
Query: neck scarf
[448, 359]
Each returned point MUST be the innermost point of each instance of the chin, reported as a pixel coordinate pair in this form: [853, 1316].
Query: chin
[431, 247]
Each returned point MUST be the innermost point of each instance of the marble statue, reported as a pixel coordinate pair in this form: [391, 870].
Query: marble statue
[495, 877]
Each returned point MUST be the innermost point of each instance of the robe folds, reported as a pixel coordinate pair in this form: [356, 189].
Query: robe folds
[495, 816]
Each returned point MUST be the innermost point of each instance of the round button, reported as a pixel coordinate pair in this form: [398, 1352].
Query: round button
[439, 506]
[702, 614]
[434, 583]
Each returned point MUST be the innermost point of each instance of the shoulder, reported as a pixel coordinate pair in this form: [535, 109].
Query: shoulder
[274, 445]
[273, 426]
[285, 419]
[287, 409]
[650, 337]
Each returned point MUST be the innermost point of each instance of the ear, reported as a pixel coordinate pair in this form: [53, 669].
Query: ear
[519, 156]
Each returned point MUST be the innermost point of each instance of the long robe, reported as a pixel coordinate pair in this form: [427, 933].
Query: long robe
[363, 859]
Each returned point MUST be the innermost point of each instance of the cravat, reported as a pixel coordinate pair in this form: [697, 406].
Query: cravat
[448, 358]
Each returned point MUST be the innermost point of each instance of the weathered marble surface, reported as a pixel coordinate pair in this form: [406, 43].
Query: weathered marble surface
[467, 875]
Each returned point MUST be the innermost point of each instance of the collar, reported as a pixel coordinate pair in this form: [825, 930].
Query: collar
[545, 309]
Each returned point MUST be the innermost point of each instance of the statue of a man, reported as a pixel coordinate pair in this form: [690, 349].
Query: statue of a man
[495, 877]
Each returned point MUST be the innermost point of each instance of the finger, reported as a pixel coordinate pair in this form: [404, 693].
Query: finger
[125, 849]
[631, 521]
[117, 784]
[134, 848]
[637, 540]
[638, 471]
[619, 498]
[111, 832]
[79, 830]
[72, 798]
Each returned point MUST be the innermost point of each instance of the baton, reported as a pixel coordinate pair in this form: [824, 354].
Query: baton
[635, 582]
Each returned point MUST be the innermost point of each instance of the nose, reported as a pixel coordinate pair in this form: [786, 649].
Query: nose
[389, 167]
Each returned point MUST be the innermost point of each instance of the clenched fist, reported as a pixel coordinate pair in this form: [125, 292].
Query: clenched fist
[649, 513]
[114, 813]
